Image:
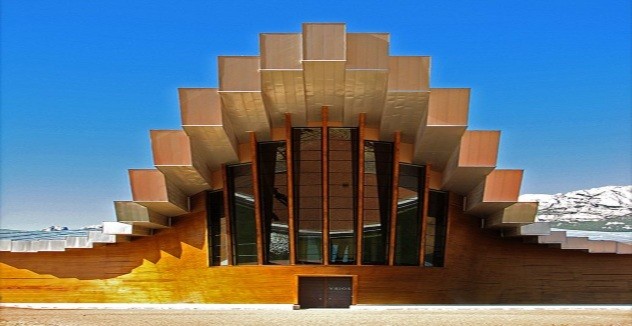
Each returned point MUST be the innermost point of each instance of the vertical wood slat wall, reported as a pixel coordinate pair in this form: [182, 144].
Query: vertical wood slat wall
[360, 216]
[290, 187]
[393, 226]
[325, 182]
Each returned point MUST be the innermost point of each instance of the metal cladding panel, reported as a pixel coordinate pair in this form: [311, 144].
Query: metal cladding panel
[246, 113]
[365, 92]
[409, 73]
[513, 214]
[463, 179]
[284, 92]
[499, 189]
[22, 246]
[215, 145]
[131, 212]
[186, 178]
[281, 51]
[479, 148]
[50, 245]
[181, 163]
[125, 229]
[448, 106]
[578, 243]
[170, 147]
[324, 41]
[164, 208]
[602, 246]
[405, 112]
[324, 86]
[78, 243]
[151, 189]
[532, 229]
[239, 73]
[200, 106]
[435, 145]
[624, 248]
[100, 237]
[553, 237]
[367, 50]
[148, 185]
[5, 245]
[117, 228]
[487, 208]
[503, 185]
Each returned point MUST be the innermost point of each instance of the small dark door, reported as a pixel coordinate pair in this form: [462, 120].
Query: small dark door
[324, 292]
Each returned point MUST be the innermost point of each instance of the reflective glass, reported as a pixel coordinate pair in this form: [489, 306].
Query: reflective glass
[436, 225]
[378, 169]
[409, 214]
[343, 189]
[273, 183]
[242, 212]
[308, 194]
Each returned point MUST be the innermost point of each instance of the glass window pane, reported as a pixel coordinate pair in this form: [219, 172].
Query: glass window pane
[308, 194]
[378, 169]
[409, 214]
[437, 222]
[216, 223]
[273, 192]
[343, 194]
[242, 211]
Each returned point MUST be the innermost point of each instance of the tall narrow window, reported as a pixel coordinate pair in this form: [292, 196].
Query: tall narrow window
[216, 223]
[409, 214]
[378, 170]
[343, 188]
[273, 184]
[242, 214]
[436, 226]
[308, 200]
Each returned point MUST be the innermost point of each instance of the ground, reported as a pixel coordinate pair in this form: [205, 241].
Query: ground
[442, 316]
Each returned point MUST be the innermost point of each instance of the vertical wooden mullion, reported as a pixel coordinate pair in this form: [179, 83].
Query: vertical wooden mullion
[393, 226]
[229, 235]
[325, 182]
[255, 191]
[360, 212]
[290, 187]
[424, 216]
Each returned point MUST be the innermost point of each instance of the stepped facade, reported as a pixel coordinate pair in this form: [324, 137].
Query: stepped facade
[326, 173]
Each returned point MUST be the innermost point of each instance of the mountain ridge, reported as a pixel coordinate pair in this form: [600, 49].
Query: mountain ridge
[607, 208]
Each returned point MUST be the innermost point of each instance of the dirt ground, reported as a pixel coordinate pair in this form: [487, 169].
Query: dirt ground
[18, 316]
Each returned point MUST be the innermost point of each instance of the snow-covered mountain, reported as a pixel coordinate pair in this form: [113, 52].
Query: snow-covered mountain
[605, 208]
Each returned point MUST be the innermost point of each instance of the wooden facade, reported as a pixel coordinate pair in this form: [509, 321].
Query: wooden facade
[324, 80]
[172, 267]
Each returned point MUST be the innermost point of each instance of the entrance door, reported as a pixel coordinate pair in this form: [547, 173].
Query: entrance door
[324, 292]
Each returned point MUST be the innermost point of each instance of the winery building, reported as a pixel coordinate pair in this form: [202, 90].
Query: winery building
[324, 172]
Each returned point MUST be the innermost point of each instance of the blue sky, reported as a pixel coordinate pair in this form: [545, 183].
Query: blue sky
[83, 82]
